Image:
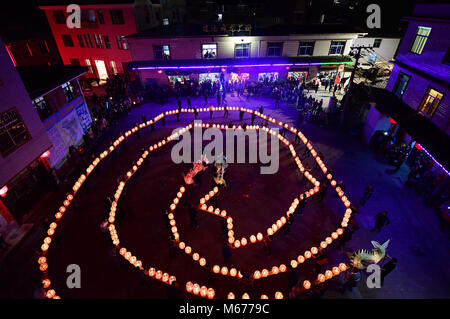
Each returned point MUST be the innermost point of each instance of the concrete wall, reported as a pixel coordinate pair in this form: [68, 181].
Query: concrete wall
[384, 53]
[432, 56]
[14, 95]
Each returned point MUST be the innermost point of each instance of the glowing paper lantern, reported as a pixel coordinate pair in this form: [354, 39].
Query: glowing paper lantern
[278, 295]
[245, 296]
[216, 269]
[306, 284]
[230, 295]
[224, 271]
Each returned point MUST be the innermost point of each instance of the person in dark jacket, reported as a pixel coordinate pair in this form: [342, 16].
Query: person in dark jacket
[380, 221]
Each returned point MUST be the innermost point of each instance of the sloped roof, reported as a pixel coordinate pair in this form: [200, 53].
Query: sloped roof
[39, 80]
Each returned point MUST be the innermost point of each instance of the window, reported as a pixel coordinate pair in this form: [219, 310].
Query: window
[401, 84]
[89, 65]
[29, 49]
[75, 61]
[42, 107]
[377, 43]
[242, 50]
[13, 131]
[121, 44]
[100, 16]
[98, 41]
[430, 102]
[113, 67]
[162, 52]
[306, 48]
[80, 40]
[166, 21]
[117, 17]
[91, 45]
[59, 17]
[69, 91]
[44, 47]
[274, 48]
[107, 43]
[209, 51]
[420, 39]
[337, 47]
[86, 41]
[67, 40]
[88, 16]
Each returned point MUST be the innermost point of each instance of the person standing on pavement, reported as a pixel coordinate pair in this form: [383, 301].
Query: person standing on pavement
[368, 191]
[189, 102]
[380, 221]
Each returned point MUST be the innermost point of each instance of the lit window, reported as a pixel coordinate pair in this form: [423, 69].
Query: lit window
[89, 65]
[274, 48]
[242, 50]
[113, 67]
[306, 48]
[209, 51]
[401, 84]
[420, 39]
[13, 131]
[430, 102]
[166, 21]
[162, 52]
[337, 47]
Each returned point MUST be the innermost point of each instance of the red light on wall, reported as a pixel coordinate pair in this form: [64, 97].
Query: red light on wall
[45, 154]
[417, 145]
[159, 71]
[3, 191]
[288, 67]
[223, 70]
[392, 121]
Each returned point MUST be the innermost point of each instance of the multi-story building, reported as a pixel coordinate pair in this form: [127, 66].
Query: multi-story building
[24, 143]
[99, 43]
[188, 51]
[416, 106]
[43, 114]
[33, 51]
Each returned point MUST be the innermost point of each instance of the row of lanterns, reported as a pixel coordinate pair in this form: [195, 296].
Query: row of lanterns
[164, 277]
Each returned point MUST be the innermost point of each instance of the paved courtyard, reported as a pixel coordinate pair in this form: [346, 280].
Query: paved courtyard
[418, 239]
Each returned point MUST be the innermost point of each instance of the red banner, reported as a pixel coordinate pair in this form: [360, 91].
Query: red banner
[4, 212]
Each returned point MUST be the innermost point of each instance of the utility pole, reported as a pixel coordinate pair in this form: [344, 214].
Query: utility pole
[350, 84]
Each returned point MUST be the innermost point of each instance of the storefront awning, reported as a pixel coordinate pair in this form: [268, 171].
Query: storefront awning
[236, 63]
[420, 128]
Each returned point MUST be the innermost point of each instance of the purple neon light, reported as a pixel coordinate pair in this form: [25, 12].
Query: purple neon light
[223, 66]
[434, 160]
